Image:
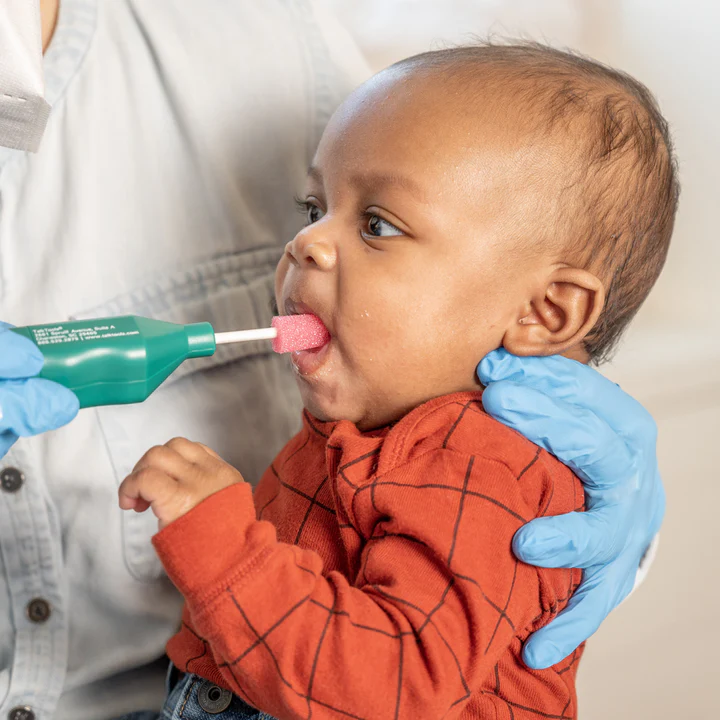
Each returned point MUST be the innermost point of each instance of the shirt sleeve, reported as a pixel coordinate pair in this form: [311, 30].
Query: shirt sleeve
[436, 600]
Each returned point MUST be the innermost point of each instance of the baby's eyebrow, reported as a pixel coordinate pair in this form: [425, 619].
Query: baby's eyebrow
[378, 181]
[375, 181]
[315, 174]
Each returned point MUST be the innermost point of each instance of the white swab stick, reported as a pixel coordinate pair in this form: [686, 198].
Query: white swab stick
[289, 333]
[225, 338]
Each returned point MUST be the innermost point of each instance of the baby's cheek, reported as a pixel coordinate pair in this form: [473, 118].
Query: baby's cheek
[372, 337]
[406, 349]
[375, 342]
[392, 326]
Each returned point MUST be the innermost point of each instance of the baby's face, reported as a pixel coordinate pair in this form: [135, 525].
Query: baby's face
[415, 254]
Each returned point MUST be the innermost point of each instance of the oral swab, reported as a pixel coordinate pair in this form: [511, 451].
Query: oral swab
[120, 360]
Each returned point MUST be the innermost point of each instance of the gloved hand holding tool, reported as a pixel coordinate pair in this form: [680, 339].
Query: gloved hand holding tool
[28, 405]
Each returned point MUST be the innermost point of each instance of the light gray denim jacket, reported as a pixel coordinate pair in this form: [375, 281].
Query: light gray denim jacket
[164, 187]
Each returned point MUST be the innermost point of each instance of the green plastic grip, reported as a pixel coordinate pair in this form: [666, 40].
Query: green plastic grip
[119, 360]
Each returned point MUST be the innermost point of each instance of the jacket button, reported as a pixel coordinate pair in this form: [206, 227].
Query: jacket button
[11, 479]
[21, 713]
[213, 699]
[38, 610]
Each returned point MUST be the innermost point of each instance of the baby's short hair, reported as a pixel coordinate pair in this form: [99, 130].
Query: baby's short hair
[618, 207]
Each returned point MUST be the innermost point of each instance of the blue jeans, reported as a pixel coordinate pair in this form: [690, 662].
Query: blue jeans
[193, 698]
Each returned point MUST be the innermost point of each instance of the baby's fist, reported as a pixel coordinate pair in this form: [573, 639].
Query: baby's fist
[174, 478]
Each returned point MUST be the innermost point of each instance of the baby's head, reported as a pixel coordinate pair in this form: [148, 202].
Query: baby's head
[468, 199]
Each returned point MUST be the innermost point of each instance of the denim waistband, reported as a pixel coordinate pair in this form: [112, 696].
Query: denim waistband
[192, 698]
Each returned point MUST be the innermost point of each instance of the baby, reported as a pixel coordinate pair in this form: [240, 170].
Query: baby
[460, 201]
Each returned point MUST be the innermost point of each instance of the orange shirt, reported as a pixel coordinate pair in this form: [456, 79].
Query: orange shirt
[378, 580]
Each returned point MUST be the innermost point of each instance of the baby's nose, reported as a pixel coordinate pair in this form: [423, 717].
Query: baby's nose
[309, 250]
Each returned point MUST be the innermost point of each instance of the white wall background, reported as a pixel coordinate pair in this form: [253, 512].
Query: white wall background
[658, 656]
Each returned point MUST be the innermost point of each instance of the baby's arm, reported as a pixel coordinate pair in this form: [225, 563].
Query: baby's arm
[437, 599]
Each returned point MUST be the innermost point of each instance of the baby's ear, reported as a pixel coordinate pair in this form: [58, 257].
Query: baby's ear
[560, 315]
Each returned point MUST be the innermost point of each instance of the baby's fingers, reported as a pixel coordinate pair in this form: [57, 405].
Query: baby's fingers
[149, 487]
[137, 504]
[209, 451]
[166, 459]
[192, 452]
[147, 483]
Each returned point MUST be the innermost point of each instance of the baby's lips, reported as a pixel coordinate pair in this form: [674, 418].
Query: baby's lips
[299, 332]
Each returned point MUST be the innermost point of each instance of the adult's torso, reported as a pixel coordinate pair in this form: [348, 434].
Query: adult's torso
[163, 187]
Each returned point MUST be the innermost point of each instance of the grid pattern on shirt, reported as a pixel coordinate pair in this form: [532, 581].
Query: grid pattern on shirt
[423, 609]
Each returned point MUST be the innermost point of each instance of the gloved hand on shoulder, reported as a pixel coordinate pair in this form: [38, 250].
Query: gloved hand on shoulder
[608, 440]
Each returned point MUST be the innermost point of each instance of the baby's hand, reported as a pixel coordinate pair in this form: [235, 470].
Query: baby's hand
[174, 478]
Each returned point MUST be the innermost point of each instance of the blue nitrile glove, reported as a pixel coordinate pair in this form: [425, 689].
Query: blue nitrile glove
[608, 440]
[28, 405]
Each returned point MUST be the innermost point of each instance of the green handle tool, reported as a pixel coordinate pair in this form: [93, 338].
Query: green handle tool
[119, 360]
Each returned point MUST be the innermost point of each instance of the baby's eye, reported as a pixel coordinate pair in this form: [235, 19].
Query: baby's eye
[377, 227]
[312, 212]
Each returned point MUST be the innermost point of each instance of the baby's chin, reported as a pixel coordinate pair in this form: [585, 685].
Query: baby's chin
[366, 416]
[326, 408]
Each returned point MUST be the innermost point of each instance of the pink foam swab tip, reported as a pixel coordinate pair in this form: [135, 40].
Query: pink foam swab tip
[299, 332]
